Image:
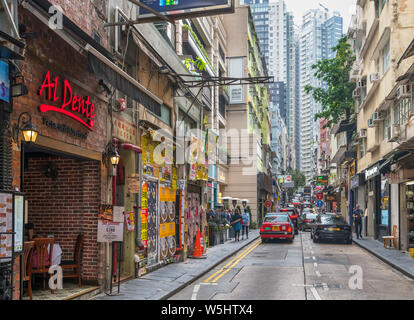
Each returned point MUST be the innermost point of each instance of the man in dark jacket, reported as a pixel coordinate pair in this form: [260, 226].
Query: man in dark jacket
[358, 214]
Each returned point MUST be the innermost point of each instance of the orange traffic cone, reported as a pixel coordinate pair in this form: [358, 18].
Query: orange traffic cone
[202, 243]
[198, 251]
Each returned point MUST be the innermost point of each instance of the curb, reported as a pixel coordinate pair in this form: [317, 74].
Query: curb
[403, 271]
[166, 296]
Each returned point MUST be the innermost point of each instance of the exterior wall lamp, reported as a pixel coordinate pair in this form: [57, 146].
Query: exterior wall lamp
[234, 201]
[111, 154]
[245, 202]
[24, 124]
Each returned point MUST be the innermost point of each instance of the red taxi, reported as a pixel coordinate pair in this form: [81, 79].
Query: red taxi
[277, 226]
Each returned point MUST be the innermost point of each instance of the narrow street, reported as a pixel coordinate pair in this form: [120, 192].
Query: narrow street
[300, 271]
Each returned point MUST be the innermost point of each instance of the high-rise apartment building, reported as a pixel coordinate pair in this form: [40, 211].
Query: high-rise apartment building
[276, 31]
[320, 32]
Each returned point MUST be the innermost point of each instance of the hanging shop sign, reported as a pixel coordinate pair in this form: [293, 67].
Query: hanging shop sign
[372, 172]
[174, 5]
[124, 130]
[354, 182]
[77, 107]
[4, 82]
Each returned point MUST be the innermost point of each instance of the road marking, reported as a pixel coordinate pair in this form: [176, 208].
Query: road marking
[195, 291]
[315, 294]
[313, 257]
[315, 264]
[325, 287]
[318, 273]
[231, 261]
[235, 263]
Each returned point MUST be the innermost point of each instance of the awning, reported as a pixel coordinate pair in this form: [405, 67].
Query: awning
[111, 73]
[129, 146]
[408, 52]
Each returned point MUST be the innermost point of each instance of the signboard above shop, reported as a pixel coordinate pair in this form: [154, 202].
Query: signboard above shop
[174, 5]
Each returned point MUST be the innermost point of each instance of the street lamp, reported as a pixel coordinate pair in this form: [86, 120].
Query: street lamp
[111, 154]
[226, 201]
[235, 202]
[24, 124]
[245, 202]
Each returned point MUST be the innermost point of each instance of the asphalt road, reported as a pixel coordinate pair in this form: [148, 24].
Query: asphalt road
[302, 270]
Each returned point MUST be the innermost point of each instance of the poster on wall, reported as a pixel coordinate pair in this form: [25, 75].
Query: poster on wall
[118, 214]
[152, 232]
[130, 221]
[4, 82]
[18, 222]
[6, 225]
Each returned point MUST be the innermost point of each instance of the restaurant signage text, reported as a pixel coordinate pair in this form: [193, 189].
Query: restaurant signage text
[76, 107]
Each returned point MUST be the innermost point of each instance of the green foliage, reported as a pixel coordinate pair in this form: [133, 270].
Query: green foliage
[298, 178]
[195, 66]
[337, 98]
[200, 45]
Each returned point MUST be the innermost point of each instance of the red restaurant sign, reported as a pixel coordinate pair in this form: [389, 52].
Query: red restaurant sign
[79, 108]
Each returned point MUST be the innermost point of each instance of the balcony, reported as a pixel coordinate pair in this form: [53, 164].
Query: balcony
[195, 49]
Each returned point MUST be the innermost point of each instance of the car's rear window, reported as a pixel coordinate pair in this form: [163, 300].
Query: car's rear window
[333, 220]
[278, 218]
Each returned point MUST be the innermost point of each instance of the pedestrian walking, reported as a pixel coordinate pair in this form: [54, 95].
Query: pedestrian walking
[245, 224]
[236, 224]
[358, 214]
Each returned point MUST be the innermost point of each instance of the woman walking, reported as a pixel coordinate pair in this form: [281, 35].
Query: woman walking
[236, 223]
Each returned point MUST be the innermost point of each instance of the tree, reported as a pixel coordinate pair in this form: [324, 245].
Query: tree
[335, 73]
[298, 178]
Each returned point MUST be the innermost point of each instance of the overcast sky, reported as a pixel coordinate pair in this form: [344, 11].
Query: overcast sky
[299, 7]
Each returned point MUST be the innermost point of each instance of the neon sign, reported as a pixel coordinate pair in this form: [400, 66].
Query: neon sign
[73, 106]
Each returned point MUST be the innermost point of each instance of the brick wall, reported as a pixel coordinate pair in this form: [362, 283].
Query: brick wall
[66, 206]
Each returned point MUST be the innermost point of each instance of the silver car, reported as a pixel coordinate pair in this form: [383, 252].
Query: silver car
[309, 220]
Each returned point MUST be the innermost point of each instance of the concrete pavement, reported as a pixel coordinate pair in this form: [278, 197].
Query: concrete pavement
[166, 281]
[397, 259]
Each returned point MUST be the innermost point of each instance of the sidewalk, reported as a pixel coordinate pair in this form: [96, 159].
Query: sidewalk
[166, 281]
[397, 259]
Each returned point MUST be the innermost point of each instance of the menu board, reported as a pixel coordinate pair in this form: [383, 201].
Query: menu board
[18, 222]
[6, 225]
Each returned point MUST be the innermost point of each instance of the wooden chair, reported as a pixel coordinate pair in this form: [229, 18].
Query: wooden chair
[387, 239]
[27, 265]
[42, 254]
[75, 264]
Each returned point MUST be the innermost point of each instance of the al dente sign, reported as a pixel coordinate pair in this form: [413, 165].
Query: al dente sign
[72, 105]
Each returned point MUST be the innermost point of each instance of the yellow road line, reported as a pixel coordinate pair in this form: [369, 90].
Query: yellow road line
[235, 263]
[231, 261]
[235, 259]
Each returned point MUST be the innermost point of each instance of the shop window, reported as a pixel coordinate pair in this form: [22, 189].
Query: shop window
[410, 212]
[384, 202]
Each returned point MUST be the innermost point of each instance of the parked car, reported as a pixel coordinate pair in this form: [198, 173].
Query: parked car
[277, 226]
[308, 220]
[331, 227]
[293, 215]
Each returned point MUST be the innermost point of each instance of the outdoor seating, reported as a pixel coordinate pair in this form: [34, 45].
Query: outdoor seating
[75, 264]
[27, 265]
[41, 261]
[387, 239]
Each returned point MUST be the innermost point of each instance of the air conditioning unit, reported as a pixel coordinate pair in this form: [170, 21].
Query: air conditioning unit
[404, 91]
[376, 116]
[362, 133]
[393, 133]
[361, 84]
[374, 77]
[371, 123]
[356, 93]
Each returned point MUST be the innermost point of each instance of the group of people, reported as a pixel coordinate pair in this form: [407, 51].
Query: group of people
[240, 222]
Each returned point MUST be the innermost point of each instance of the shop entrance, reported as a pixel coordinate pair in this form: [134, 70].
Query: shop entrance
[63, 197]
